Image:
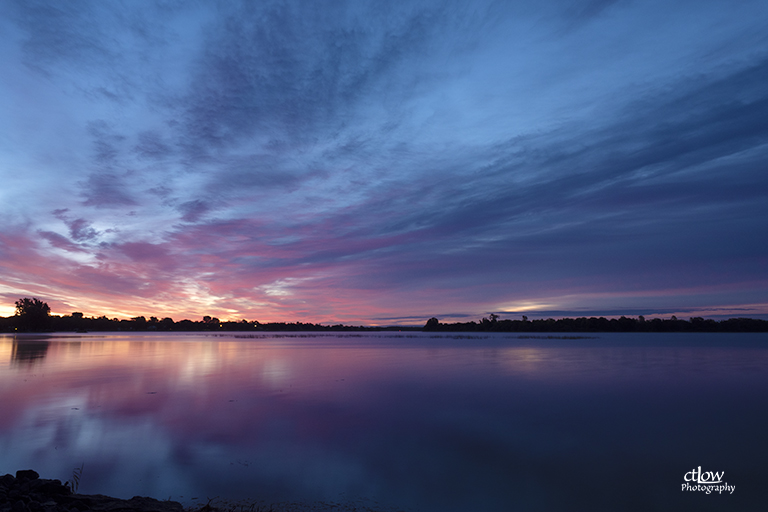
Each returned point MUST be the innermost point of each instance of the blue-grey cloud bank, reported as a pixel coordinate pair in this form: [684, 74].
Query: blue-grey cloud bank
[384, 162]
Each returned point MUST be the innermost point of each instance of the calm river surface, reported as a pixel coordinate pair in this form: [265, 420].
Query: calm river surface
[393, 421]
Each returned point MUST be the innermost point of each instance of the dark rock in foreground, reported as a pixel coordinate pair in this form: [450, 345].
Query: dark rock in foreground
[27, 492]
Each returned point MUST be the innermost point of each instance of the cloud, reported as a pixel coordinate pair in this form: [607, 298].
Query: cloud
[152, 146]
[301, 70]
[193, 210]
[60, 242]
[81, 231]
[107, 190]
[63, 32]
[141, 251]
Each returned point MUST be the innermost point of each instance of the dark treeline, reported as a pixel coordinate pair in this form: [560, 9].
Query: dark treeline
[77, 322]
[601, 324]
[33, 315]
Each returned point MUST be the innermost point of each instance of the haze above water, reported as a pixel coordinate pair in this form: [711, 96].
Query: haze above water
[392, 421]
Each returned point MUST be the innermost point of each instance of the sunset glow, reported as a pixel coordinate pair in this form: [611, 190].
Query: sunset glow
[369, 163]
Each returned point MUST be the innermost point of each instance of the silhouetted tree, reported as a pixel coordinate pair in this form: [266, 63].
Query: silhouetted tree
[432, 324]
[138, 323]
[210, 323]
[32, 314]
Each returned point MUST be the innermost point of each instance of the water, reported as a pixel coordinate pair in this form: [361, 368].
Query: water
[393, 421]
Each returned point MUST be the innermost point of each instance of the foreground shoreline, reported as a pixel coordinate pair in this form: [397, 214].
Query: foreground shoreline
[27, 492]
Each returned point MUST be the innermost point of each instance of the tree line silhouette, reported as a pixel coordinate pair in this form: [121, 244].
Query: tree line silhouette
[602, 324]
[34, 315]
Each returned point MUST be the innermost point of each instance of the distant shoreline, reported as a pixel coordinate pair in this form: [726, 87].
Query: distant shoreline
[34, 315]
[79, 323]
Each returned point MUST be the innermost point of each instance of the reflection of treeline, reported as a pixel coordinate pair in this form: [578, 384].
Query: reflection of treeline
[77, 322]
[601, 324]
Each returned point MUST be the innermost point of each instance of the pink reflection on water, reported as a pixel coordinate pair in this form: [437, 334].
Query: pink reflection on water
[372, 415]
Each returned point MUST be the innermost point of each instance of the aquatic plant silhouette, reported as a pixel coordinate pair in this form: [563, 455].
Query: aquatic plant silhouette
[74, 482]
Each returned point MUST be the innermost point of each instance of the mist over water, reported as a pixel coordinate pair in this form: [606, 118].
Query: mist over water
[411, 421]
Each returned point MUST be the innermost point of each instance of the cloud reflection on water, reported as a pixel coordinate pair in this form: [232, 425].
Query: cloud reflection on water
[430, 423]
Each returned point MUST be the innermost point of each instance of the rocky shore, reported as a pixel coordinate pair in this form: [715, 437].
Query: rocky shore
[27, 492]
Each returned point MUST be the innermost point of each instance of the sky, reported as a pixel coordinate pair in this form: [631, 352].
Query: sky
[385, 162]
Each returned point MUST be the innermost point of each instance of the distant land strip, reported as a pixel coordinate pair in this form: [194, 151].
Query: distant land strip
[76, 322]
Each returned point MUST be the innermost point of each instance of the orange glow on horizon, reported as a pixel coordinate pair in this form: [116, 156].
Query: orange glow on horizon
[364, 307]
